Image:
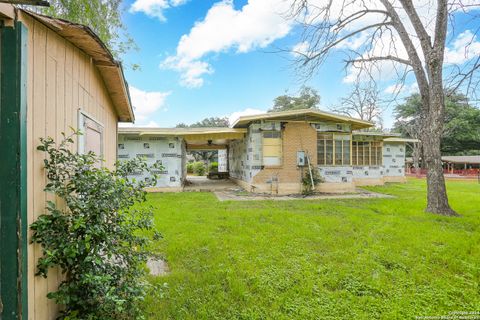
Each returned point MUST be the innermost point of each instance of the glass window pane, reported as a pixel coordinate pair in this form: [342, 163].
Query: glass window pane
[329, 152]
[346, 152]
[354, 153]
[338, 150]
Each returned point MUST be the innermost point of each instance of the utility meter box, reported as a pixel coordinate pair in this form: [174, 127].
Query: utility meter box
[301, 159]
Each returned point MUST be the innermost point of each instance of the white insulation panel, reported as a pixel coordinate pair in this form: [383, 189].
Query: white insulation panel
[170, 153]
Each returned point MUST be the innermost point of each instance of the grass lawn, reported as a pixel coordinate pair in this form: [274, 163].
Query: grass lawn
[317, 259]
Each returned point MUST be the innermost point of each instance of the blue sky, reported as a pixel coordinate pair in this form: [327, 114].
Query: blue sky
[203, 58]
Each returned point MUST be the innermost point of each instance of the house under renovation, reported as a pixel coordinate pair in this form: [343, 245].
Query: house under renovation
[272, 152]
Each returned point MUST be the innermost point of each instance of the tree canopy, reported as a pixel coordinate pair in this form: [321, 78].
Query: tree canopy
[461, 133]
[207, 122]
[308, 98]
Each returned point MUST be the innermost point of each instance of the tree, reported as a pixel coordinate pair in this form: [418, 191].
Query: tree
[95, 232]
[411, 38]
[408, 123]
[461, 122]
[307, 99]
[362, 103]
[104, 17]
[211, 122]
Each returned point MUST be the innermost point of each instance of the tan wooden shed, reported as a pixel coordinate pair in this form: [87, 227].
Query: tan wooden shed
[54, 75]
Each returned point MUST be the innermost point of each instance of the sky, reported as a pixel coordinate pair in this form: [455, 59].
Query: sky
[226, 58]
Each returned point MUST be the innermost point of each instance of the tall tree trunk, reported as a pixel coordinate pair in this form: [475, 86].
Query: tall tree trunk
[437, 199]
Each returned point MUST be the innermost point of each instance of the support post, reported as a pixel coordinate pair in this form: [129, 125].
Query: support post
[13, 172]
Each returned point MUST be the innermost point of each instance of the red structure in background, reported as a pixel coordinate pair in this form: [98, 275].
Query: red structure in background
[454, 166]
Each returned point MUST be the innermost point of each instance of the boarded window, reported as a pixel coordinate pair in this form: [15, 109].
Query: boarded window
[92, 138]
[272, 148]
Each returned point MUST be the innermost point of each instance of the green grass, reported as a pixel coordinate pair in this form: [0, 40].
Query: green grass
[317, 259]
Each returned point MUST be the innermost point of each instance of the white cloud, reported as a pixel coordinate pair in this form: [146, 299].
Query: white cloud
[155, 8]
[465, 47]
[191, 70]
[146, 103]
[256, 25]
[247, 112]
[401, 88]
[301, 49]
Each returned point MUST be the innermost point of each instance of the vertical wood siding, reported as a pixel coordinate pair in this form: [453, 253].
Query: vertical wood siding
[61, 79]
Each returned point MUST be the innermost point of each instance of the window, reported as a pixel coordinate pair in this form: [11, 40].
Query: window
[333, 149]
[367, 153]
[272, 148]
[92, 138]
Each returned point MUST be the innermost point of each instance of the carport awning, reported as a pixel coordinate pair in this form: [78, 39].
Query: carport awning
[189, 134]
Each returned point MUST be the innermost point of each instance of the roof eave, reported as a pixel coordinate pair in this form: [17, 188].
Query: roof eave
[356, 123]
[110, 69]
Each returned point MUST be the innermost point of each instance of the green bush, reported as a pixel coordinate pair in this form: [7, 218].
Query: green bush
[95, 235]
[213, 167]
[190, 167]
[199, 168]
[308, 188]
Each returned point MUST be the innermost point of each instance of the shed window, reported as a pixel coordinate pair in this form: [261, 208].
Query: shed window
[333, 149]
[272, 148]
[92, 138]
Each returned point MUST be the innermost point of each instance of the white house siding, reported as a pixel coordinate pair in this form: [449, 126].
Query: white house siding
[368, 172]
[254, 151]
[245, 156]
[167, 152]
[237, 159]
[394, 159]
[335, 174]
[222, 160]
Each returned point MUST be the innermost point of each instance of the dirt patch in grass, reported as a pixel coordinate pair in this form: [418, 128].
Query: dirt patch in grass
[157, 267]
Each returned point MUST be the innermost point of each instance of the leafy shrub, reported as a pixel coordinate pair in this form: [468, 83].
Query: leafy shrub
[199, 168]
[92, 233]
[308, 188]
[213, 167]
[190, 167]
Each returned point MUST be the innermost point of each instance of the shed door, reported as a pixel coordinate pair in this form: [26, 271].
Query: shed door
[92, 138]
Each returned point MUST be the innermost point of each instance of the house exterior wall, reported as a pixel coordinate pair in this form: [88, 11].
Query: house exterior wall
[302, 136]
[394, 161]
[286, 178]
[61, 80]
[169, 152]
[222, 160]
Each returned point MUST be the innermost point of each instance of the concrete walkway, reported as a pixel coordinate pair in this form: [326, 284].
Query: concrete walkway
[230, 195]
[202, 184]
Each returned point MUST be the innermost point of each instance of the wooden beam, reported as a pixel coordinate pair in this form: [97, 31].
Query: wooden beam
[205, 147]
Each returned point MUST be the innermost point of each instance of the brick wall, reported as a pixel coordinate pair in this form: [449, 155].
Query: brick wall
[296, 136]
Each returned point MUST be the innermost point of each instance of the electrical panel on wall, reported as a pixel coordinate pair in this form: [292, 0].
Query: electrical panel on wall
[301, 159]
